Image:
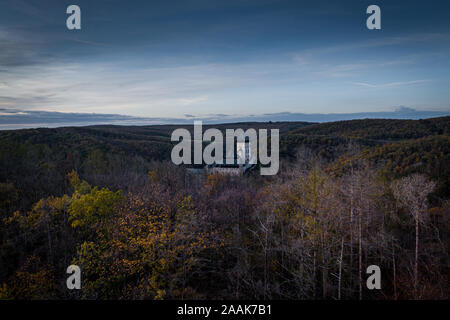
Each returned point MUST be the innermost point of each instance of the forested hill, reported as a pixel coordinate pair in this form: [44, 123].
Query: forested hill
[107, 198]
[397, 147]
[150, 142]
[34, 162]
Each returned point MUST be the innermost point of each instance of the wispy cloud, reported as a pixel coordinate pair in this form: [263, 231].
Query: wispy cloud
[306, 55]
[390, 84]
[191, 101]
[17, 50]
[342, 70]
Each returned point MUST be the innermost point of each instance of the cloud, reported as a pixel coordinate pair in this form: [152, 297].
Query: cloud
[4, 112]
[17, 119]
[29, 10]
[391, 84]
[341, 70]
[18, 50]
[307, 54]
[191, 101]
[107, 87]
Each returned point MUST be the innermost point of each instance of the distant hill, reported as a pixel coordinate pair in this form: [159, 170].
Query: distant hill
[380, 129]
[36, 161]
[21, 119]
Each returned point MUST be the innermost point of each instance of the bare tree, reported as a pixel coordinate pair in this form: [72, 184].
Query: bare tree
[411, 192]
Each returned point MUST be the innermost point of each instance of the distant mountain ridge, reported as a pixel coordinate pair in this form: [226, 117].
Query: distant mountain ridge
[20, 119]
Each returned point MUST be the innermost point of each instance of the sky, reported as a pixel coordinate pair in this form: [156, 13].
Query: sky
[234, 58]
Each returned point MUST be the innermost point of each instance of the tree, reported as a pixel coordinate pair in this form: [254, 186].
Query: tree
[92, 207]
[411, 192]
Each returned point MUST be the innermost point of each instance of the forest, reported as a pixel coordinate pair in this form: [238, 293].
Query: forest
[348, 195]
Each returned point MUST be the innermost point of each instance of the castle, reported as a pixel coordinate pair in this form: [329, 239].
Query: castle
[241, 162]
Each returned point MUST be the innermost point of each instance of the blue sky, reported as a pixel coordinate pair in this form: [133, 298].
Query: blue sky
[205, 57]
